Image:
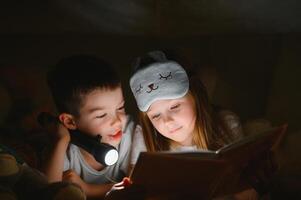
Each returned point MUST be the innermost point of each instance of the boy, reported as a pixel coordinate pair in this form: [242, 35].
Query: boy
[88, 96]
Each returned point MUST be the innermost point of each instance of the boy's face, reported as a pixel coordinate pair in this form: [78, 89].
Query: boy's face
[102, 113]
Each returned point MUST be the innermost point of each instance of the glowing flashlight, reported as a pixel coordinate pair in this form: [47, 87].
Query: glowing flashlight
[103, 153]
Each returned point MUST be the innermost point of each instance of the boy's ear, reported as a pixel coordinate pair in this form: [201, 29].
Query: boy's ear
[67, 120]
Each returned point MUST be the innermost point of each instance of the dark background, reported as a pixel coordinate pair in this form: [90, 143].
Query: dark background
[248, 52]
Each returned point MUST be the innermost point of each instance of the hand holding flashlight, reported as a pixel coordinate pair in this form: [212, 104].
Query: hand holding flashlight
[103, 153]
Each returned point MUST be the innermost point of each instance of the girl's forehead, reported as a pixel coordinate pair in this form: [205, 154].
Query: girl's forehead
[164, 103]
[160, 104]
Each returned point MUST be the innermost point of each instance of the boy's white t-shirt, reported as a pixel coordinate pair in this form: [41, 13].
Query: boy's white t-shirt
[114, 173]
[138, 145]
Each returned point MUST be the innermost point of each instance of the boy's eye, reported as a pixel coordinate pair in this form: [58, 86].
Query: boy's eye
[101, 116]
[121, 108]
[175, 106]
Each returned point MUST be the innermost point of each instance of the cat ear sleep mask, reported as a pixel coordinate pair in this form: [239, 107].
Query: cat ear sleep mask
[159, 80]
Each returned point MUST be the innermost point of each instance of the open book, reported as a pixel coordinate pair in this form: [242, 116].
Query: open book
[204, 173]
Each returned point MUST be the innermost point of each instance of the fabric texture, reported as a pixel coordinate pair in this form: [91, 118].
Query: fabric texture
[20, 181]
[160, 80]
[138, 145]
[230, 128]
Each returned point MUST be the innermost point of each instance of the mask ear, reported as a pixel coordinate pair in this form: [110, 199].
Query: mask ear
[67, 120]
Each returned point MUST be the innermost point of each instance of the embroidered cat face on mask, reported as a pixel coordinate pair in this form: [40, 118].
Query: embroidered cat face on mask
[159, 80]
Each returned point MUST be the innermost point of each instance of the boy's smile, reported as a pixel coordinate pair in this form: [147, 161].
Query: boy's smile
[116, 136]
[102, 113]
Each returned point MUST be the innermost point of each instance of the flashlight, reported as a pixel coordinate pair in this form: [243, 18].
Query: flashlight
[104, 153]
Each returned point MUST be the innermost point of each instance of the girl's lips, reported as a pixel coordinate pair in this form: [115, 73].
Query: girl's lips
[116, 136]
[174, 130]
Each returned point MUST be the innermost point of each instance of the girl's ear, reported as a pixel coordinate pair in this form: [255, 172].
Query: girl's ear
[67, 120]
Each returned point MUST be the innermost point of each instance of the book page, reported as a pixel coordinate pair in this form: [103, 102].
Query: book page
[203, 173]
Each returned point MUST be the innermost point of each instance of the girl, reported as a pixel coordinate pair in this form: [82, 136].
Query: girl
[175, 113]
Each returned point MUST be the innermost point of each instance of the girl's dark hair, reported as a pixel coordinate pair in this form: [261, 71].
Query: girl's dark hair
[75, 76]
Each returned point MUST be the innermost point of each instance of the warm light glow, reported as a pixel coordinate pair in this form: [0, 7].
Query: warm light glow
[111, 157]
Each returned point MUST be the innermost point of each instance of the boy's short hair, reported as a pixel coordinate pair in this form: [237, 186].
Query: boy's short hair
[75, 76]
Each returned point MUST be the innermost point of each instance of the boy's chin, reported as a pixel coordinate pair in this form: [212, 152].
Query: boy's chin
[115, 139]
[114, 142]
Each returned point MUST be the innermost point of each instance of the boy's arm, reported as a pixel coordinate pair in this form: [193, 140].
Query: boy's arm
[91, 190]
[97, 191]
[54, 166]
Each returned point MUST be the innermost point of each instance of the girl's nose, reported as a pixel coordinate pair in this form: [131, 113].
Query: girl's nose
[168, 119]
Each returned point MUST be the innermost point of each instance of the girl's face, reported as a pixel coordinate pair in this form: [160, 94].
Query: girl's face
[174, 118]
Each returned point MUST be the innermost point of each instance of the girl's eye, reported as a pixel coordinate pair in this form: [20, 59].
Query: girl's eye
[101, 116]
[156, 116]
[175, 107]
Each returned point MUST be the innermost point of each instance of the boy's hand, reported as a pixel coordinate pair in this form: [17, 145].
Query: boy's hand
[126, 182]
[125, 190]
[72, 177]
[118, 192]
[62, 133]
[58, 132]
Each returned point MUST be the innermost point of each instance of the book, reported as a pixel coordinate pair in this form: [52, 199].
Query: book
[205, 174]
